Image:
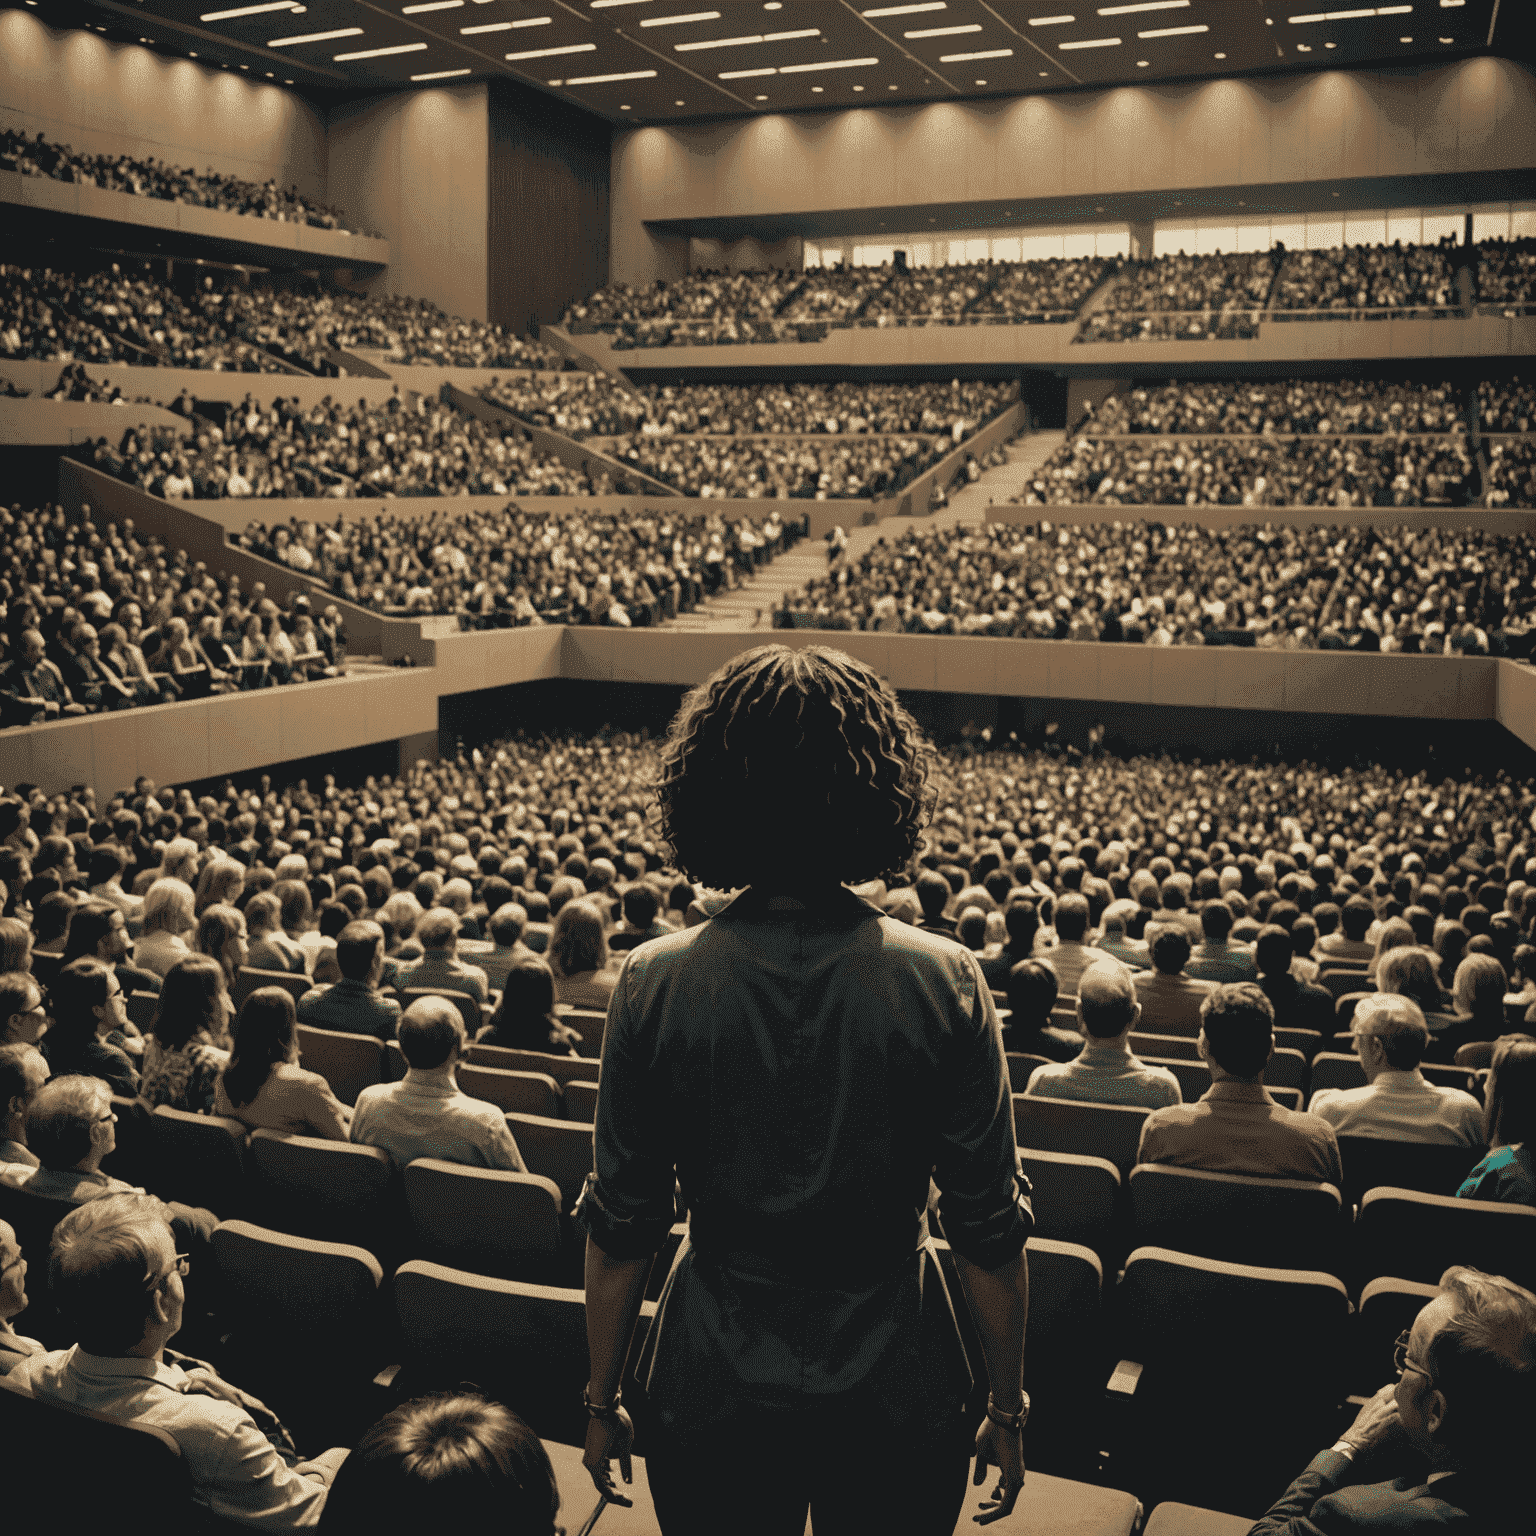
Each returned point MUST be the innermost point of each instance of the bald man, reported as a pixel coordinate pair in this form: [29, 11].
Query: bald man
[427, 1115]
[1105, 1071]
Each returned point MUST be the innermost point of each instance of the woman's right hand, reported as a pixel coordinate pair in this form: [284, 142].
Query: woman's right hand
[1003, 1449]
[608, 1438]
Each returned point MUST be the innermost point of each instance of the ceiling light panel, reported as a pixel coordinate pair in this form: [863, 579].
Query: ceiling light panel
[379, 53]
[943, 31]
[903, 10]
[431, 5]
[745, 42]
[550, 53]
[250, 10]
[1145, 5]
[965, 58]
[314, 37]
[678, 21]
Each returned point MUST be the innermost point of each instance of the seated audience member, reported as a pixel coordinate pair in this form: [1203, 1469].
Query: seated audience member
[440, 965]
[1234, 1126]
[1213, 958]
[1021, 922]
[264, 1086]
[220, 884]
[1072, 954]
[268, 948]
[642, 918]
[23, 1013]
[99, 931]
[188, 1040]
[72, 1127]
[105, 869]
[578, 955]
[14, 1347]
[933, 895]
[1349, 942]
[427, 1115]
[507, 950]
[525, 1018]
[971, 930]
[1032, 992]
[168, 920]
[85, 1004]
[50, 927]
[1477, 997]
[452, 1462]
[1452, 1436]
[23, 1071]
[117, 1279]
[1508, 1172]
[1411, 971]
[1114, 937]
[297, 910]
[1397, 1102]
[221, 936]
[354, 1004]
[1106, 1071]
[1297, 1004]
[1170, 1001]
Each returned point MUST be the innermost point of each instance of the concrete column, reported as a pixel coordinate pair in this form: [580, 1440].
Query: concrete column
[1141, 239]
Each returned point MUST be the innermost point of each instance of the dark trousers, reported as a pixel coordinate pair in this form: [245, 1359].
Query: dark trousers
[757, 1475]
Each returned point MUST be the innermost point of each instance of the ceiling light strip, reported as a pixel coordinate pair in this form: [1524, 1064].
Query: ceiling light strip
[744, 42]
[1173, 31]
[314, 37]
[806, 69]
[745, 74]
[442, 74]
[379, 53]
[965, 58]
[1144, 5]
[678, 21]
[551, 53]
[431, 5]
[1092, 42]
[250, 10]
[904, 10]
[634, 74]
[1050, 21]
[1360, 13]
[974, 26]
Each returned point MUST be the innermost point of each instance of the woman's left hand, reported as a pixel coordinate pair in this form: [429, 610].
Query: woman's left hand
[608, 1438]
[1003, 1449]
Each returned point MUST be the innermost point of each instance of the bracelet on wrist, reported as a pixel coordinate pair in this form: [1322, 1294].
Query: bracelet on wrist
[1013, 1422]
[602, 1410]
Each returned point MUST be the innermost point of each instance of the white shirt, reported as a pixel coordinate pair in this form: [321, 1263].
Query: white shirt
[159, 951]
[428, 1115]
[1402, 1106]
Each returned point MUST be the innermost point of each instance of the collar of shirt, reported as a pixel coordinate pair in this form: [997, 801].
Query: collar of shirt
[87, 1364]
[1102, 1052]
[431, 1082]
[1232, 1091]
[1394, 1080]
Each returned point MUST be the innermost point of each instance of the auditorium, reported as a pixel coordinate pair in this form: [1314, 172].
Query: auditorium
[846, 788]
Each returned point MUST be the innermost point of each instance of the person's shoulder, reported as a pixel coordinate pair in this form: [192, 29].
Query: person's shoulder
[374, 1093]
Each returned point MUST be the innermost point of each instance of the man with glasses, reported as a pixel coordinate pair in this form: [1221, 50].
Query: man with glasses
[1453, 1434]
[14, 1347]
[116, 1278]
[22, 1072]
[86, 1004]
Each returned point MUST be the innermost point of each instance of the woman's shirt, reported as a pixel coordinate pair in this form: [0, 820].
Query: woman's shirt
[1507, 1174]
[586, 989]
[292, 1100]
[803, 1072]
[277, 952]
[184, 1078]
[159, 951]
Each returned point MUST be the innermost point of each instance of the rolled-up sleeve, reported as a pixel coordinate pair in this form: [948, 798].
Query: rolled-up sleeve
[628, 1204]
[984, 1198]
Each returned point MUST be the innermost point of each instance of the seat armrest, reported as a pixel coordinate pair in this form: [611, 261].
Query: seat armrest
[386, 1378]
[1123, 1380]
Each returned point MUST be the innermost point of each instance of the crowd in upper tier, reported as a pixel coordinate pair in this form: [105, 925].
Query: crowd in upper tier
[1506, 405]
[1392, 276]
[104, 617]
[35, 155]
[1426, 591]
[1506, 272]
[516, 566]
[334, 450]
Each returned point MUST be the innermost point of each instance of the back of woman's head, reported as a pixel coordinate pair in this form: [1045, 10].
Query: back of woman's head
[81, 986]
[1412, 972]
[168, 907]
[222, 880]
[1479, 989]
[263, 914]
[189, 999]
[576, 942]
[1394, 934]
[792, 767]
[265, 1034]
[451, 1462]
[1509, 1111]
[527, 999]
[91, 923]
[295, 904]
[15, 945]
[215, 928]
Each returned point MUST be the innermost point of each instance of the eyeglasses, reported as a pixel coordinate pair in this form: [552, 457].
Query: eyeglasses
[103, 1119]
[181, 1264]
[1401, 1361]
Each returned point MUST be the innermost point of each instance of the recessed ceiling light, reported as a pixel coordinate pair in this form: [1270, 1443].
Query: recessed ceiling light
[905, 10]
[1447, 39]
[1044, 73]
[967, 58]
[745, 42]
[1405, 39]
[1330, 45]
[679, 103]
[760, 98]
[818, 89]
[1145, 5]
[772, 5]
[634, 74]
[1220, 55]
[981, 82]
[972, 26]
[1173, 31]
[430, 5]
[1452, 5]
[550, 53]
[623, 109]
[190, 55]
[1142, 63]
[1091, 42]
[1302, 48]
[893, 87]
[858, 87]
[314, 37]
[270, 75]
[248, 10]
[677, 21]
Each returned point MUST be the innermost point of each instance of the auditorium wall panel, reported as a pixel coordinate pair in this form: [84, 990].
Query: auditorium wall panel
[1470, 117]
[414, 166]
[107, 98]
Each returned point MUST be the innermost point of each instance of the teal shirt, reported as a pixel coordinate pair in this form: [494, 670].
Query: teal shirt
[1507, 1174]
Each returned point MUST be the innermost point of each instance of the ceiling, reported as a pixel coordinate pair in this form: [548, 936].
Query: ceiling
[677, 60]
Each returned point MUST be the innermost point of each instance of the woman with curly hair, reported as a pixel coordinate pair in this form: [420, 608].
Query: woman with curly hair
[188, 1044]
[798, 1064]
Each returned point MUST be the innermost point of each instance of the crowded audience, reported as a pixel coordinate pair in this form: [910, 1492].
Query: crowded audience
[1506, 405]
[35, 155]
[1184, 298]
[516, 567]
[1506, 274]
[1369, 277]
[1416, 591]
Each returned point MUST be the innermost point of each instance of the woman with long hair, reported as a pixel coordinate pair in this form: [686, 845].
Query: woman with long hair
[1394, 934]
[270, 948]
[222, 881]
[800, 1065]
[525, 1018]
[1477, 996]
[188, 1042]
[1508, 1173]
[167, 920]
[578, 956]
[15, 945]
[264, 1086]
[221, 936]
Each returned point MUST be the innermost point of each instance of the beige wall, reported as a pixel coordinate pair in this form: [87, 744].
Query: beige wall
[77, 88]
[1473, 115]
[414, 166]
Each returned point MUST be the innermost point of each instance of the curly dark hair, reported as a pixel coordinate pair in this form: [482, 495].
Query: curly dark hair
[793, 764]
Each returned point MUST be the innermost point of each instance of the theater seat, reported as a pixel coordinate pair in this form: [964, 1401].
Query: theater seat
[1076, 1199]
[1308, 1041]
[530, 1093]
[1110, 1131]
[1170, 1519]
[1166, 1047]
[560, 1150]
[1418, 1237]
[349, 1063]
[523, 1344]
[589, 1024]
[1198, 1414]
[1370, 1163]
[468, 1008]
[328, 1190]
[248, 979]
[133, 1158]
[581, 1101]
[1335, 1069]
[1020, 1065]
[33, 1217]
[1341, 982]
[563, 1069]
[484, 1220]
[1387, 1306]
[199, 1160]
[1286, 1222]
[1194, 1076]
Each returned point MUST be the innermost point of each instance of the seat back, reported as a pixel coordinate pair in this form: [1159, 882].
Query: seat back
[1414, 1236]
[581, 1101]
[249, 978]
[469, 1008]
[1387, 1306]
[141, 1010]
[328, 1190]
[1335, 1069]
[1370, 1163]
[1286, 1067]
[349, 1063]
[523, 1344]
[304, 1283]
[1444, 1075]
[1021, 1064]
[531, 1093]
[133, 1158]
[1308, 1041]
[483, 1220]
[1340, 982]
[33, 1217]
[1165, 1047]
[1290, 1223]
[1344, 1010]
[1110, 1131]
[199, 1160]
[118, 1455]
[563, 1069]
[1076, 1199]
[560, 1150]
[589, 1024]
[1194, 1076]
